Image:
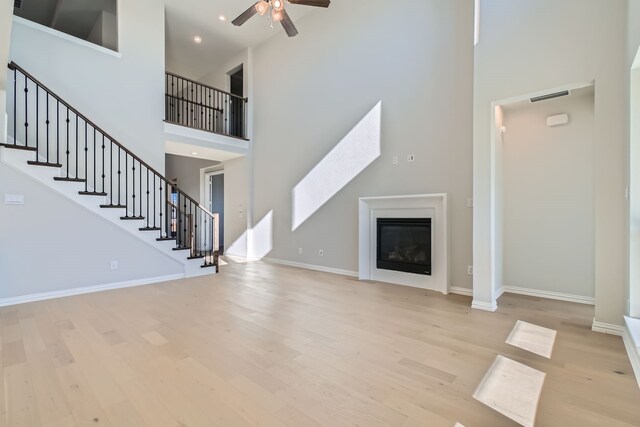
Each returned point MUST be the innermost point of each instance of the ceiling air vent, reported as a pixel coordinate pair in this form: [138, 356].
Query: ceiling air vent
[17, 4]
[550, 96]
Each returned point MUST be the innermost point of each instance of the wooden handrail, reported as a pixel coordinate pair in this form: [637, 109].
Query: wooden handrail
[14, 66]
[206, 86]
[199, 104]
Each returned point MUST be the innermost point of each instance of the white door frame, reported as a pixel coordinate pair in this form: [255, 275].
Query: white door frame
[487, 278]
[205, 187]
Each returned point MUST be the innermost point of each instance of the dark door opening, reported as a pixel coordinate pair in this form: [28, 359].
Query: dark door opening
[217, 205]
[236, 109]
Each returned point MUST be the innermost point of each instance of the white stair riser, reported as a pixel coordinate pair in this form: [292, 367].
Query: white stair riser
[17, 159]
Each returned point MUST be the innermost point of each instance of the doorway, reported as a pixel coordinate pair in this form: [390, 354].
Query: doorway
[542, 195]
[236, 108]
[216, 201]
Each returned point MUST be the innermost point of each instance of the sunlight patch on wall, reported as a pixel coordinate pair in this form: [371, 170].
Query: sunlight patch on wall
[239, 247]
[357, 150]
[261, 237]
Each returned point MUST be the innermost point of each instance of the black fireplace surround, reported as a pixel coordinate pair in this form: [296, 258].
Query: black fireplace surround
[404, 244]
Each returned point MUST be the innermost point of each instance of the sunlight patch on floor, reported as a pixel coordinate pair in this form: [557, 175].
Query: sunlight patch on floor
[533, 338]
[513, 389]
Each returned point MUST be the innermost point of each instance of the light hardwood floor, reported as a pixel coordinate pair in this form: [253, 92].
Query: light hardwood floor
[265, 345]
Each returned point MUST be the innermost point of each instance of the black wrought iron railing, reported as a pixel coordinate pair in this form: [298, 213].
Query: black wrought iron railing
[41, 121]
[195, 105]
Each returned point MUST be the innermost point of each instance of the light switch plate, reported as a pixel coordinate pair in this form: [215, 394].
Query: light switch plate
[13, 199]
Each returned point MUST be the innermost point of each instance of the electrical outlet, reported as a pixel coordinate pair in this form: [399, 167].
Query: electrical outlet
[321, 252]
[470, 270]
[395, 160]
[469, 202]
[411, 158]
[114, 265]
[300, 250]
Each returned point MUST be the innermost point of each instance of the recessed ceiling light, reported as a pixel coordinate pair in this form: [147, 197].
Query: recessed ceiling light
[197, 39]
[194, 153]
[222, 18]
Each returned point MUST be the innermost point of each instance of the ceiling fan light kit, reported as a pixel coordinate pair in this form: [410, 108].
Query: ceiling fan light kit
[278, 12]
[278, 5]
[262, 7]
[276, 15]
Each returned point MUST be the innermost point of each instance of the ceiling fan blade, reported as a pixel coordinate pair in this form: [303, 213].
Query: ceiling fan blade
[244, 16]
[316, 3]
[287, 23]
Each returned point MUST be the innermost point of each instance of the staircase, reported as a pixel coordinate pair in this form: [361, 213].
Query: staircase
[58, 146]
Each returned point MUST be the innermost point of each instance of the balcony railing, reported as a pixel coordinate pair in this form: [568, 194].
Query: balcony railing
[192, 104]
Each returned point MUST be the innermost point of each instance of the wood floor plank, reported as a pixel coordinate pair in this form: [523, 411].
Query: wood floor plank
[266, 345]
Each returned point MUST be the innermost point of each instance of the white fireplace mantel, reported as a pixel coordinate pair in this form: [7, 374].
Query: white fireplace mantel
[432, 206]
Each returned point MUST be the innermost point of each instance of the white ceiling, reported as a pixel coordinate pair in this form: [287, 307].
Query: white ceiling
[221, 41]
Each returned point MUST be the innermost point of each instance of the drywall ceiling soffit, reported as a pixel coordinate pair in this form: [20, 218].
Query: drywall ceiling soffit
[221, 41]
[585, 91]
[187, 150]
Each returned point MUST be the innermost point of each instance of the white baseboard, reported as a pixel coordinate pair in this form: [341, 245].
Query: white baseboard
[461, 291]
[484, 306]
[607, 328]
[86, 290]
[633, 349]
[549, 295]
[312, 267]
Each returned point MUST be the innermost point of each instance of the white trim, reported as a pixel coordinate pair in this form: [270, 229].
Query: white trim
[66, 37]
[312, 267]
[633, 348]
[87, 290]
[434, 206]
[607, 328]
[484, 306]
[548, 295]
[205, 175]
[461, 291]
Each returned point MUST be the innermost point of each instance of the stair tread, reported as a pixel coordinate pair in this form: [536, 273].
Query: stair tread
[92, 193]
[130, 218]
[181, 248]
[47, 164]
[64, 178]
[208, 265]
[150, 229]
[162, 239]
[18, 147]
[113, 206]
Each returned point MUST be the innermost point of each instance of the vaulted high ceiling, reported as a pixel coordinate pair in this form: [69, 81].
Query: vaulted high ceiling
[221, 41]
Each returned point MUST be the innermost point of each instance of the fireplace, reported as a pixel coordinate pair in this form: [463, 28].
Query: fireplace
[421, 206]
[404, 244]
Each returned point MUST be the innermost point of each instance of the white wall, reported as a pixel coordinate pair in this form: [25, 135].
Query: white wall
[634, 217]
[236, 202]
[105, 31]
[311, 90]
[187, 171]
[532, 45]
[49, 243]
[52, 244]
[218, 76]
[6, 16]
[548, 182]
[122, 93]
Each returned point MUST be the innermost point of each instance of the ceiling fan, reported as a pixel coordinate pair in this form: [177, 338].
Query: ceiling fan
[277, 12]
